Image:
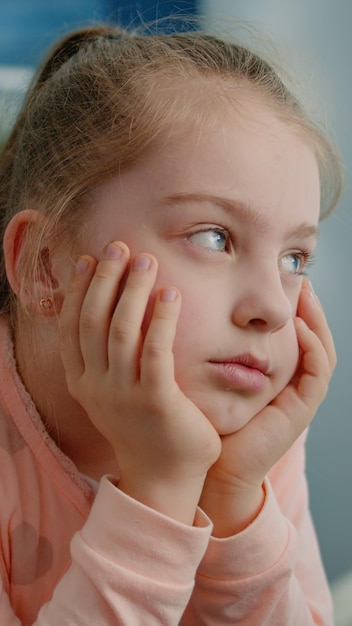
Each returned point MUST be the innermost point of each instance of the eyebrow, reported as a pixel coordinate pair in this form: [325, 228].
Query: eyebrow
[243, 211]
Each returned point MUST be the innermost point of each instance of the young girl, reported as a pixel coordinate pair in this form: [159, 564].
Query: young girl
[161, 353]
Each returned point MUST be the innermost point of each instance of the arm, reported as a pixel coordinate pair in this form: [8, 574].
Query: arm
[271, 572]
[263, 557]
[124, 380]
[135, 559]
[130, 566]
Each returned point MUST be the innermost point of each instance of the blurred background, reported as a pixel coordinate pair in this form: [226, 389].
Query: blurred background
[314, 38]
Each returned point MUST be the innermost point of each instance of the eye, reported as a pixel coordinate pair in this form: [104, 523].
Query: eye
[213, 239]
[296, 262]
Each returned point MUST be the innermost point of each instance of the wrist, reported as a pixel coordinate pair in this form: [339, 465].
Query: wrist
[231, 511]
[175, 499]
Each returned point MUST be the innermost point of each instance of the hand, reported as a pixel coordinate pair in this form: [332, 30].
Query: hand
[232, 494]
[125, 380]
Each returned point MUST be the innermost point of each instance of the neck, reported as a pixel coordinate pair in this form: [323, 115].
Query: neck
[38, 360]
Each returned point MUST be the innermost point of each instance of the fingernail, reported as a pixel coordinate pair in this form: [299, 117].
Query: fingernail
[112, 251]
[168, 294]
[141, 262]
[81, 265]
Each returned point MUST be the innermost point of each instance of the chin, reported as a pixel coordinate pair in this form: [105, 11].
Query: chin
[223, 429]
[229, 416]
[228, 421]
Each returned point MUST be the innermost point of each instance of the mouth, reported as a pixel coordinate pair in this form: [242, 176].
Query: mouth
[243, 372]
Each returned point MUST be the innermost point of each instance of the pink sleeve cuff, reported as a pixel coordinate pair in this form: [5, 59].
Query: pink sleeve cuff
[142, 540]
[254, 549]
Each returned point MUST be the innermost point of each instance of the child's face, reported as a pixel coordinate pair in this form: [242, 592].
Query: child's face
[231, 215]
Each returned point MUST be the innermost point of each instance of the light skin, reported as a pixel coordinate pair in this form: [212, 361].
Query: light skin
[192, 344]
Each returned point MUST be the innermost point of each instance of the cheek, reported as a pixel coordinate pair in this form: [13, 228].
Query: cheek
[191, 316]
[198, 335]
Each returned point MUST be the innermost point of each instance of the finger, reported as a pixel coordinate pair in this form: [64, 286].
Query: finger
[124, 344]
[157, 361]
[291, 412]
[315, 369]
[69, 319]
[311, 311]
[299, 401]
[99, 304]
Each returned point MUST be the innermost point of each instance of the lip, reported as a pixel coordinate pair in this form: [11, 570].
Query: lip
[243, 372]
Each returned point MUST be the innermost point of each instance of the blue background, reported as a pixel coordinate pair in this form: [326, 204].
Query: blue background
[27, 29]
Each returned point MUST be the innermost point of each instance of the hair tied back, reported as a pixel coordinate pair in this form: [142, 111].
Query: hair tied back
[66, 48]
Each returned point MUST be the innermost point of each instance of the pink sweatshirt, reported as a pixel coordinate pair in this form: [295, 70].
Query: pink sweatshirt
[73, 558]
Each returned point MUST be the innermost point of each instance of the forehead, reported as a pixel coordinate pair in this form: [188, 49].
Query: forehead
[246, 158]
[242, 140]
[204, 100]
[207, 104]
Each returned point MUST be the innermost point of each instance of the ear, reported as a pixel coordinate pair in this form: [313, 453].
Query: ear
[39, 290]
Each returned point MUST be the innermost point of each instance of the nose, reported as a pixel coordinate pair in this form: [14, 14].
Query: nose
[262, 302]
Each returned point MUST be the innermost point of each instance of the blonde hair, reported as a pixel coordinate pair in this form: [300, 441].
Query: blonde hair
[105, 97]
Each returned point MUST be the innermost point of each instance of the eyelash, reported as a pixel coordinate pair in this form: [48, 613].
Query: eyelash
[306, 257]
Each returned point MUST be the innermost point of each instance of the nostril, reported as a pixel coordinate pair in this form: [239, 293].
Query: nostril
[258, 322]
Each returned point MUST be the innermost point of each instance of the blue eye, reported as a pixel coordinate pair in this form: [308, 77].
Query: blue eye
[294, 263]
[212, 239]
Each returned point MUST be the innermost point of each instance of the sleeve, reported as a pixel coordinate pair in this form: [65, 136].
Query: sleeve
[7, 616]
[271, 573]
[131, 566]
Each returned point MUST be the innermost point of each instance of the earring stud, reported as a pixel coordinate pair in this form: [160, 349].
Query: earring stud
[46, 303]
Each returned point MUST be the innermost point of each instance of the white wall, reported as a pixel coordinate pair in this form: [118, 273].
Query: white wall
[316, 37]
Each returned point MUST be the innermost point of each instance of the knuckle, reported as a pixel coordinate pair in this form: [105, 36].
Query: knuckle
[155, 350]
[120, 330]
[88, 321]
[104, 272]
[164, 315]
